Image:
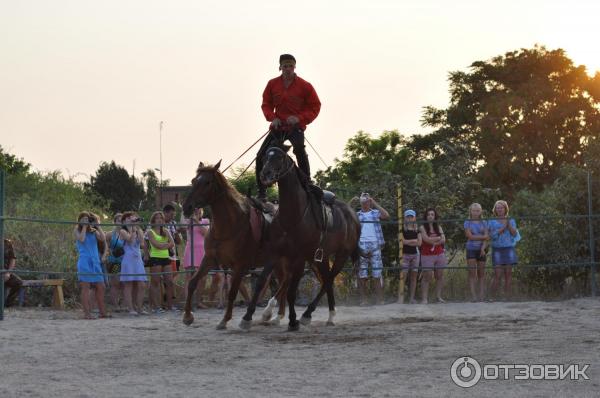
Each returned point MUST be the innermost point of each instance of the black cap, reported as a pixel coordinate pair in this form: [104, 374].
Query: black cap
[286, 57]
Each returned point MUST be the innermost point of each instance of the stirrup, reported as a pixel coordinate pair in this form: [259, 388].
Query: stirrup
[319, 255]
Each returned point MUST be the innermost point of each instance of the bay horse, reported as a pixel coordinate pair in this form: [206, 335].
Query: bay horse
[230, 241]
[303, 232]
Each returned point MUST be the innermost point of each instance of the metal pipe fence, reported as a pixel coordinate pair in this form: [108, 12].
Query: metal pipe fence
[584, 259]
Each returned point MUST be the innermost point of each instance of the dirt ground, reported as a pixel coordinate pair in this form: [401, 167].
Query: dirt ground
[383, 351]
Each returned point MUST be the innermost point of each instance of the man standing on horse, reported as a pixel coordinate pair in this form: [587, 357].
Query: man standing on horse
[289, 103]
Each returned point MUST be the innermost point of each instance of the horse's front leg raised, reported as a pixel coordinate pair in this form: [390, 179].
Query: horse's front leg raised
[207, 264]
[233, 291]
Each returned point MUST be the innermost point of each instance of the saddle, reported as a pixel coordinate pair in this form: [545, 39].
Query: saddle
[261, 216]
[323, 200]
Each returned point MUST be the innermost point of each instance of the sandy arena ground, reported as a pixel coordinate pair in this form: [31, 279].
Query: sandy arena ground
[385, 351]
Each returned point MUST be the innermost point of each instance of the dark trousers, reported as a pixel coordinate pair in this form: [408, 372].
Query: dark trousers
[12, 286]
[274, 138]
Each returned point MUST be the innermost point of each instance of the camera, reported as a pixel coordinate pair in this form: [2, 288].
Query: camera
[138, 220]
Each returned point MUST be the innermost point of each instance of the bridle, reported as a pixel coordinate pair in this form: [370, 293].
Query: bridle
[279, 174]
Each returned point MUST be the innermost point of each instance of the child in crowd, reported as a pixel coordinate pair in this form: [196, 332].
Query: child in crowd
[476, 231]
[433, 258]
[411, 240]
[504, 236]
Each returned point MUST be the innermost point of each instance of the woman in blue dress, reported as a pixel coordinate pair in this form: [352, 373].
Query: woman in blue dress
[87, 233]
[133, 275]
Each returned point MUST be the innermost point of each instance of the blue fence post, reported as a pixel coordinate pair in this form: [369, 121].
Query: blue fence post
[2, 189]
[591, 234]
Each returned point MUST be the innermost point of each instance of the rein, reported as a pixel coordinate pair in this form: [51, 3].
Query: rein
[246, 151]
[291, 166]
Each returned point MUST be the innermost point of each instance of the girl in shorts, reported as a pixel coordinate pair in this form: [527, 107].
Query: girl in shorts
[411, 240]
[433, 258]
[504, 236]
[160, 242]
[476, 231]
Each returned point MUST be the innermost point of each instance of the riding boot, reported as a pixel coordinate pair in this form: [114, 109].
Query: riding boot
[302, 158]
[262, 194]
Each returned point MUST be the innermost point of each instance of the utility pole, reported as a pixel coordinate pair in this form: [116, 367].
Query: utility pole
[160, 128]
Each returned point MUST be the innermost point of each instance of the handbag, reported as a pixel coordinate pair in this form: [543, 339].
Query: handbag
[117, 251]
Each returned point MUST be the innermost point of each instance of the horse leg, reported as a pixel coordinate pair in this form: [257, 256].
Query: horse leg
[297, 271]
[246, 321]
[282, 296]
[205, 266]
[338, 264]
[331, 302]
[322, 273]
[278, 297]
[233, 291]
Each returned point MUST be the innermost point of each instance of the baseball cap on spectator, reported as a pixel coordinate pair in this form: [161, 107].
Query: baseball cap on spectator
[410, 213]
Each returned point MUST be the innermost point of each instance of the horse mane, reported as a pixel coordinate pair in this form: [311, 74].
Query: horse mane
[229, 190]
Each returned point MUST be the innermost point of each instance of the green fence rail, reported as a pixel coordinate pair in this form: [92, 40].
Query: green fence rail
[590, 264]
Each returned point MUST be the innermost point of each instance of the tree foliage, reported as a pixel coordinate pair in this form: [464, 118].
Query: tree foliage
[113, 183]
[11, 164]
[521, 115]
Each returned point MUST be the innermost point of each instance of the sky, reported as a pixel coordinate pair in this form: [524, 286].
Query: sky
[82, 82]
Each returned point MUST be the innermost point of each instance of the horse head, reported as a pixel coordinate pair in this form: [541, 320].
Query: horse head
[276, 164]
[207, 185]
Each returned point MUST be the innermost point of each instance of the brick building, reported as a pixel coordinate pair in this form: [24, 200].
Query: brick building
[170, 194]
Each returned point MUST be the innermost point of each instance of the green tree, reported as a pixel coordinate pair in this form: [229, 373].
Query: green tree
[521, 116]
[113, 183]
[151, 184]
[11, 164]
[245, 182]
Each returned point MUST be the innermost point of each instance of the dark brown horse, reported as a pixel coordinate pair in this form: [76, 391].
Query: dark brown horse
[230, 242]
[298, 219]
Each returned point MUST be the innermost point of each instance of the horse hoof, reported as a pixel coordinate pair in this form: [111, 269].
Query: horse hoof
[222, 325]
[266, 316]
[275, 321]
[245, 325]
[305, 321]
[294, 328]
[330, 323]
[188, 319]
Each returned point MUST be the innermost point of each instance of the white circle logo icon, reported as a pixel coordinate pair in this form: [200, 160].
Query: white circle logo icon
[465, 372]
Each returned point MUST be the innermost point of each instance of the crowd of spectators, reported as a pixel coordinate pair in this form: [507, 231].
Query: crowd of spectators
[136, 260]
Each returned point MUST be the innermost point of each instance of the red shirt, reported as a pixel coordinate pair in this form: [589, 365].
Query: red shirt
[299, 99]
[426, 248]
